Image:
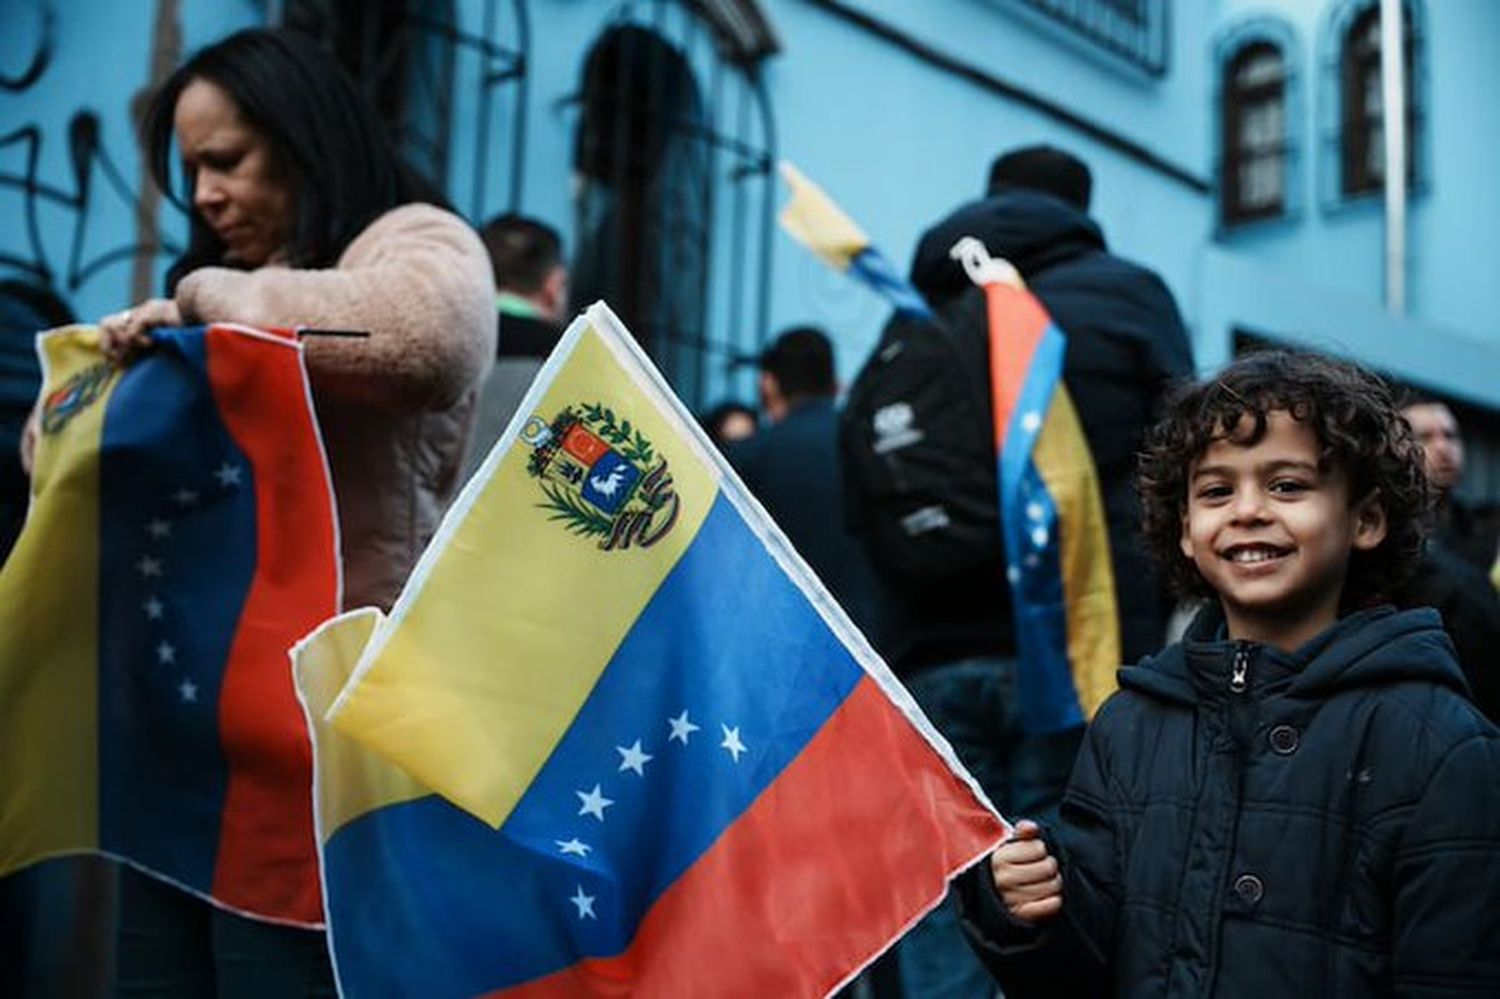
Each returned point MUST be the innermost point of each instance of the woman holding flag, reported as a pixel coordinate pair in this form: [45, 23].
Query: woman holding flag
[303, 215]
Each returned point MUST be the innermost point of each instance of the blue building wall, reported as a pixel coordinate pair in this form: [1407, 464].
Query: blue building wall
[896, 107]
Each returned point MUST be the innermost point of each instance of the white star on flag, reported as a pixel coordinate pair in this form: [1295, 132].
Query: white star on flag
[189, 691]
[159, 528]
[574, 846]
[1031, 422]
[732, 742]
[594, 802]
[228, 475]
[1035, 511]
[681, 728]
[185, 497]
[585, 904]
[166, 653]
[1013, 574]
[632, 758]
[153, 608]
[1039, 537]
[148, 567]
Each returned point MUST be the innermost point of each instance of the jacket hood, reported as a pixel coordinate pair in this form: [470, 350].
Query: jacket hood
[1031, 230]
[1371, 647]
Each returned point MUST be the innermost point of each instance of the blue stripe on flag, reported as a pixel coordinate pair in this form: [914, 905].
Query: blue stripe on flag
[872, 267]
[177, 554]
[1033, 546]
[730, 640]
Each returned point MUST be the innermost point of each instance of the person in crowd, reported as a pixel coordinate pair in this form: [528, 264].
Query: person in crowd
[1298, 799]
[302, 214]
[1458, 529]
[532, 283]
[1450, 576]
[954, 644]
[793, 468]
[729, 422]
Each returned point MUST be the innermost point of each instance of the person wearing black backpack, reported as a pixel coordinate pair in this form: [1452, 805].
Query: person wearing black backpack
[919, 459]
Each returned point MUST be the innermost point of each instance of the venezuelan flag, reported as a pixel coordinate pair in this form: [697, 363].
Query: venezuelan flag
[180, 539]
[1052, 514]
[615, 738]
[814, 220]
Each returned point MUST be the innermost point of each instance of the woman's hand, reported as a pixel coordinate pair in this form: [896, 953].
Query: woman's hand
[1026, 876]
[125, 334]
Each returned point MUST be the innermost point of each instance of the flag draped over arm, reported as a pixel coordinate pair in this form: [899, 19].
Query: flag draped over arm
[181, 537]
[614, 737]
[1052, 513]
[812, 218]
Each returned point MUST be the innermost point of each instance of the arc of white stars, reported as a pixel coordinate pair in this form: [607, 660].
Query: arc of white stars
[593, 802]
[166, 652]
[574, 846]
[585, 904]
[148, 567]
[185, 497]
[189, 691]
[159, 528]
[1035, 511]
[1039, 537]
[228, 474]
[732, 742]
[681, 728]
[1031, 421]
[153, 608]
[633, 758]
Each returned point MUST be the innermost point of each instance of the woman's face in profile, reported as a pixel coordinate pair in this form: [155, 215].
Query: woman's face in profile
[239, 188]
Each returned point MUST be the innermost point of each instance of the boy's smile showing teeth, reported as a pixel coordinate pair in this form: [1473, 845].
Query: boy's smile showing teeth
[1254, 553]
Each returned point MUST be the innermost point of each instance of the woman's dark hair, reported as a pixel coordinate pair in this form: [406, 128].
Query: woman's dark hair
[343, 167]
[1357, 424]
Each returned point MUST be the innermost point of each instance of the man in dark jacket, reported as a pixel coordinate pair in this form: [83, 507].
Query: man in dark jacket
[792, 466]
[531, 293]
[954, 643]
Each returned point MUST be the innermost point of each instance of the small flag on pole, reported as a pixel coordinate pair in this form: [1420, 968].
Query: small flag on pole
[614, 737]
[816, 222]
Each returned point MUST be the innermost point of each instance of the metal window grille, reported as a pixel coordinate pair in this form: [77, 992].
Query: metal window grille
[1254, 141]
[674, 158]
[1134, 30]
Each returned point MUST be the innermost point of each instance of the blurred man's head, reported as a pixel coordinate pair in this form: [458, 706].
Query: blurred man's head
[796, 367]
[1433, 425]
[527, 258]
[1046, 169]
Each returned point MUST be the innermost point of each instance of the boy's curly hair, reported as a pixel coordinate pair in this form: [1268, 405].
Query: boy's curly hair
[1355, 418]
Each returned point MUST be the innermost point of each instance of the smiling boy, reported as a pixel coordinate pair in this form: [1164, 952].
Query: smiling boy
[1298, 799]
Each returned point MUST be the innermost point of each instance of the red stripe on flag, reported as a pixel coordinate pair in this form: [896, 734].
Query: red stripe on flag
[834, 860]
[1017, 323]
[267, 861]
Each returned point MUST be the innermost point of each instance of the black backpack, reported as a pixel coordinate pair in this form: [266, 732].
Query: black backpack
[917, 441]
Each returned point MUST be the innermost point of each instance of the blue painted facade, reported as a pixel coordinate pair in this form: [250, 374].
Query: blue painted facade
[896, 107]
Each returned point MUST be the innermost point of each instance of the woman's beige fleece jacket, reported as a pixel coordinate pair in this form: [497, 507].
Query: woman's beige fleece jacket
[396, 408]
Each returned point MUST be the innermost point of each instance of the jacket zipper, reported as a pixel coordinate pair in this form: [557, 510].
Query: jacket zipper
[1239, 674]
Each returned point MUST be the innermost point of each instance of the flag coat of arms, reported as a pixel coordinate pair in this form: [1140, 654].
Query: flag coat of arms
[614, 738]
[180, 539]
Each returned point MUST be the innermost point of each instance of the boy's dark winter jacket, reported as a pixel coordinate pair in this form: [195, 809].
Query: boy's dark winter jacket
[1331, 829]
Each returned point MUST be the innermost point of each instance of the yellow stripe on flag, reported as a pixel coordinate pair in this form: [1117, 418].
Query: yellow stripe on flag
[351, 780]
[814, 220]
[495, 644]
[49, 636]
[1067, 467]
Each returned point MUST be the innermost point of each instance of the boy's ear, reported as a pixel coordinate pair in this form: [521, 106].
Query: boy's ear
[1185, 540]
[1369, 522]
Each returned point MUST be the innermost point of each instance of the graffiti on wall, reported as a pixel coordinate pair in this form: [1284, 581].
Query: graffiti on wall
[66, 200]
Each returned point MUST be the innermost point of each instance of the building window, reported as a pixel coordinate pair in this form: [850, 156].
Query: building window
[1133, 30]
[1363, 125]
[1254, 178]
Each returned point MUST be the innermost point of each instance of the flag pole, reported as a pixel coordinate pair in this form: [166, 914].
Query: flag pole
[1393, 101]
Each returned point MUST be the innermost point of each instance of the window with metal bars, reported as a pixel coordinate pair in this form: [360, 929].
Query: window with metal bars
[1254, 176]
[1363, 124]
